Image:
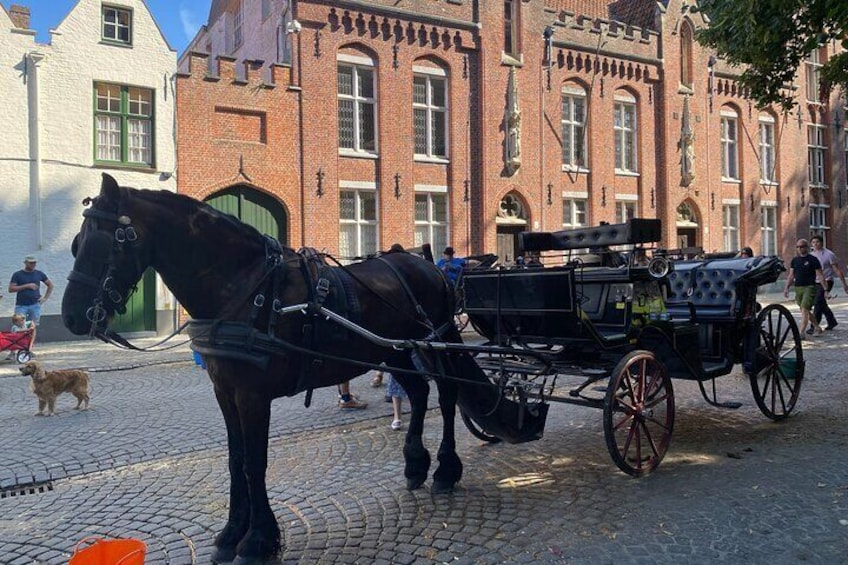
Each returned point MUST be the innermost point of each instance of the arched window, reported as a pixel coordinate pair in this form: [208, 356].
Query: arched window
[430, 109]
[357, 98]
[686, 54]
[573, 120]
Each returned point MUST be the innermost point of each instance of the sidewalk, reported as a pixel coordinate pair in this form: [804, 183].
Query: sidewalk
[93, 354]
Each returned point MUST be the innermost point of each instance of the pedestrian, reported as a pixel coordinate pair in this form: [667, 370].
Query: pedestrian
[347, 401]
[397, 394]
[27, 284]
[452, 266]
[746, 253]
[830, 265]
[804, 270]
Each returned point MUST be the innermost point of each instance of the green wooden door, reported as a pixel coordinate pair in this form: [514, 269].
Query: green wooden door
[141, 307]
[254, 208]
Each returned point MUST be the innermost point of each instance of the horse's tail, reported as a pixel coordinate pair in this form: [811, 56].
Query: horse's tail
[491, 410]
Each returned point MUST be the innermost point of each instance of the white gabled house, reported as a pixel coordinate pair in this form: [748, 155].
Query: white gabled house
[98, 97]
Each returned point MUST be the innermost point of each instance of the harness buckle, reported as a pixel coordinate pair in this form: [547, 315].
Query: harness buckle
[322, 289]
[95, 314]
[259, 300]
[277, 305]
[132, 235]
[120, 235]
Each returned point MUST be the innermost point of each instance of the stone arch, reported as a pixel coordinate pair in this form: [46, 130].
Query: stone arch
[688, 221]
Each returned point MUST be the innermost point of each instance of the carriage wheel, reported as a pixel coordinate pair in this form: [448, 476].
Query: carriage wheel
[638, 413]
[23, 356]
[778, 362]
[476, 430]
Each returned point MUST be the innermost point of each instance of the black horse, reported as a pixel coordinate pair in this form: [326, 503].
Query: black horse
[238, 284]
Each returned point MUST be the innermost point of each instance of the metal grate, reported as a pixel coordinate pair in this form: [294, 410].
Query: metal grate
[28, 488]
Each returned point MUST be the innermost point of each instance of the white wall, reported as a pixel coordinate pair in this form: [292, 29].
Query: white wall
[74, 59]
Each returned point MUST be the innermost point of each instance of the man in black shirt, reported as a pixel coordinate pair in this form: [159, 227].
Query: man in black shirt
[803, 271]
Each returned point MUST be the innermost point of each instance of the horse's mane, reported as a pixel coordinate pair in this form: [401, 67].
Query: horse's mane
[187, 206]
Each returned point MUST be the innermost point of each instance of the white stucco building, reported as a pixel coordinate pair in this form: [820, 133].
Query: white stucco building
[98, 97]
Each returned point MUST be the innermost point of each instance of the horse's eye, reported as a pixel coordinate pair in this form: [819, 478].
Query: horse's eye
[75, 245]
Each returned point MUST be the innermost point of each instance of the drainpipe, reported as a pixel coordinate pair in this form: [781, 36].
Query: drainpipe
[34, 59]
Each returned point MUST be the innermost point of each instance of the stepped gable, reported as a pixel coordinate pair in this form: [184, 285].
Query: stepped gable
[638, 13]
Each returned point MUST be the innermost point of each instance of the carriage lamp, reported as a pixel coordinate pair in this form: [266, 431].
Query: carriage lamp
[550, 196]
[397, 186]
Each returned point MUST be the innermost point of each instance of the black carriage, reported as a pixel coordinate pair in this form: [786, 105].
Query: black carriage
[621, 325]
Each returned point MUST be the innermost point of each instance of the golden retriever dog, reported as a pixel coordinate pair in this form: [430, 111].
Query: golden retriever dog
[47, 385]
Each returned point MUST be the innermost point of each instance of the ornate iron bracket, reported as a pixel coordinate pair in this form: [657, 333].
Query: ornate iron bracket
[397, 186]
[319, 192]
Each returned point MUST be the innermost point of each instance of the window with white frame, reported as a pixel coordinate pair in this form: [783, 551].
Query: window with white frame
[238, 21]
[123, 124]
[730, 226]
[574, 212]
[816, 150]
[818, 219]
[429, 112]
[729, 144]
[624, 126]
[812, 74]
[510, 46]
[116, 24]
[431, 219]
[768, 229]
[357, 105]
[573, 118]
[768, 163]
[358, 223]
[624, 210]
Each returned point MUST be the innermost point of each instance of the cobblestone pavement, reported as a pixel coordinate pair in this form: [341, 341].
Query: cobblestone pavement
[149, 461]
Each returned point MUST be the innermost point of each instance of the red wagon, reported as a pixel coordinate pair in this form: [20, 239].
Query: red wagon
[18, 343]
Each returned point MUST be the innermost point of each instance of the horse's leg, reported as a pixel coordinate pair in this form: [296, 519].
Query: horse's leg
[261, 542]
[450, 466]
[416, 457]
[238, 519]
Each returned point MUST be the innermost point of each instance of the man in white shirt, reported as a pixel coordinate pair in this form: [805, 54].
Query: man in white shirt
[830, 265]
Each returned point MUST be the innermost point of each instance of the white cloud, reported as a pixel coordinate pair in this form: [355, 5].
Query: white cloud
[190, 22]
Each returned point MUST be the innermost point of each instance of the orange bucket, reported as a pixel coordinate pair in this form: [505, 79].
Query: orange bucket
[108, 552]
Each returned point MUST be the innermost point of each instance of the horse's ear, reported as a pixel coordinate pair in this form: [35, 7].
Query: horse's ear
[109, 187]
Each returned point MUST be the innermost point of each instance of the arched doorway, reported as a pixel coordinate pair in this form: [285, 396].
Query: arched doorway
[254, 208]
[511, 219]
[687, 225]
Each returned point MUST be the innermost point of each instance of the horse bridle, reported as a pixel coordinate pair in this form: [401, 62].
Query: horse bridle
[124, 238]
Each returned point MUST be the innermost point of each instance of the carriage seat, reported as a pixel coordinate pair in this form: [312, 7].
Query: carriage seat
[711, 287]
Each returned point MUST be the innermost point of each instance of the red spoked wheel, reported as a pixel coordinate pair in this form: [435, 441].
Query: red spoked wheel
[778, 365]
[638, 413]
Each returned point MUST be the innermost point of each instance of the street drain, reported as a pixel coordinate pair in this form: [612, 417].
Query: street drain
[29, 488]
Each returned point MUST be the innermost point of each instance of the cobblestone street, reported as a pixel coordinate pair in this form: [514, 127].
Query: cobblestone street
[148, 460]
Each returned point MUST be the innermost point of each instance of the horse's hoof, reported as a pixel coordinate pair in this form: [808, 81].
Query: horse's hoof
[223, 554]
[415, 483]
[442, 487]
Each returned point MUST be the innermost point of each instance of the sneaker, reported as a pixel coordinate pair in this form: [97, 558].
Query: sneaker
[396, 425]
[831, 327]
[352, 404]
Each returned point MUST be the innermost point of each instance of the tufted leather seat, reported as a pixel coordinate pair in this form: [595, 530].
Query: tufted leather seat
[710, 286]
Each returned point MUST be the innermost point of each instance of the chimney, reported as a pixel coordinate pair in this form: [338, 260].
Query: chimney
[20, 16]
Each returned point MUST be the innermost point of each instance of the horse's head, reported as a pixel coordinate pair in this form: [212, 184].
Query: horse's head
[111, 256]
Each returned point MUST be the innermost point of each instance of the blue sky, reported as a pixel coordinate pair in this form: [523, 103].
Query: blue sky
[179, 19]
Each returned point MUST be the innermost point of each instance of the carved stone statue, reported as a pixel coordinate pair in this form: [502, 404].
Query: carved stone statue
[513, 126]
[687, 147]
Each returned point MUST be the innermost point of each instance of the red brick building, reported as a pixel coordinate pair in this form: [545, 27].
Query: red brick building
[353, 124]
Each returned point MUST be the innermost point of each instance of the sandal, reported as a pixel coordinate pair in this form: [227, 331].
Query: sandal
[396, 425]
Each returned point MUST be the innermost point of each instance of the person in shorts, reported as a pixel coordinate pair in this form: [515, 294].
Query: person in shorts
[804, 270]
[26, 283]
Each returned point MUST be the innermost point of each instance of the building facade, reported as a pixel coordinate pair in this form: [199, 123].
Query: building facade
[99, 97]
[355, 124]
